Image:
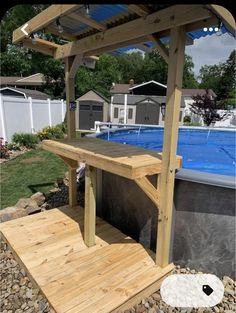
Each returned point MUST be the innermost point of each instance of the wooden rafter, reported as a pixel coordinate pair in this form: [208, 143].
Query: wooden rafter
[65, 35]
[225, 16]
[158, 21]
[139, 9]
[88, 21]
[161, 48]
[39, 46]
[43, 19]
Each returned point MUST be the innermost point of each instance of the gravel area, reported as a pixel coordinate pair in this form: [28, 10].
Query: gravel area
[18, 295]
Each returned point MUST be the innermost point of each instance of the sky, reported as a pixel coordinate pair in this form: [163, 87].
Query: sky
[210, 50]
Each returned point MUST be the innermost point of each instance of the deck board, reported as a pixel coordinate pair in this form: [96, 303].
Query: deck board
[124, 160]
[75, 278]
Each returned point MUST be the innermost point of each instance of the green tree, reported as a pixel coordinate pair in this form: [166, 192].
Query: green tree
[189, 80]
[210, 76]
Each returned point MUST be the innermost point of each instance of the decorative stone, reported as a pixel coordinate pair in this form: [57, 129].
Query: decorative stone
[38, 197]
[11, 213]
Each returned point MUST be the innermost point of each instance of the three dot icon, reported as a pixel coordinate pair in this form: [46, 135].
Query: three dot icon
[210, 29]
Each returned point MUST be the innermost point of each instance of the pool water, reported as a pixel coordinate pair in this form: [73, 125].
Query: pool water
[205, 150]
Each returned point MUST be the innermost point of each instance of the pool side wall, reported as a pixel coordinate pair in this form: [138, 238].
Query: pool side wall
[203, 220]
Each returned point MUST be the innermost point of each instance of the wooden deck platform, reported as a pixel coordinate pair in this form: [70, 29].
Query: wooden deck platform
[114, 274]
[124, 160]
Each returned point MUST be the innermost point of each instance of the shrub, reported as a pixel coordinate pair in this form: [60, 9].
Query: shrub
[187, 119]
[25, 140]
[51, 132]
[13, 146]
[4, 152]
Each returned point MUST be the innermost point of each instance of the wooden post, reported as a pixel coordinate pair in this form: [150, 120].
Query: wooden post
[71, 133]
[90, 206]
[174, 91]
[70, 96]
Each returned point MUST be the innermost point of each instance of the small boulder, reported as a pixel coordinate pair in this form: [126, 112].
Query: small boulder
[11, 213]
[25, 202]
[29, 205]
[38, 197]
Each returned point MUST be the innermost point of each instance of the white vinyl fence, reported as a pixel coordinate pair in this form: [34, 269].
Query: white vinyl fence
[19, 115]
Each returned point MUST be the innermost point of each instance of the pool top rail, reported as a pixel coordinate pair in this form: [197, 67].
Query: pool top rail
[123, 160]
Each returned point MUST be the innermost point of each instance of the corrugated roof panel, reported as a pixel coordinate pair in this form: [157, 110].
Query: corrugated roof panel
[194, 35]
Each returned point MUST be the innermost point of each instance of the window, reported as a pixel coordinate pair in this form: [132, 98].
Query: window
[130, 114]
[116, 111]
[84, 107]
[97, 108]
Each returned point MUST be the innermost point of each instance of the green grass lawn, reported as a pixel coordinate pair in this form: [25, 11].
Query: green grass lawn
[36, 170]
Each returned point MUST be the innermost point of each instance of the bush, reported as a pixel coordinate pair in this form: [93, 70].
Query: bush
[51, 132]
[13, 146]
[4, 152]
[187, 119]
[25, 140]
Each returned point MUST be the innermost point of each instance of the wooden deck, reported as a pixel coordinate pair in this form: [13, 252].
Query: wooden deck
[114, 274]
[124, 160]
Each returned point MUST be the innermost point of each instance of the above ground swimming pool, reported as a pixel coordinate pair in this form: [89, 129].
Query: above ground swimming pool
[205, 150]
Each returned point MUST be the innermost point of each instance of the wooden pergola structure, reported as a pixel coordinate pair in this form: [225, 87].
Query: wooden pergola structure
[90, 36]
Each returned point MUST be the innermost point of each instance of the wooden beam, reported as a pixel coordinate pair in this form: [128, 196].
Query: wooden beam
[160, 47]
[40, 48]
[71, 163]
[90, 206]
[75, 65]
[174, 90]
[225, 16]
[43, 19]
[173, 16]
[88, 21]
[149, 189]
[139, 9]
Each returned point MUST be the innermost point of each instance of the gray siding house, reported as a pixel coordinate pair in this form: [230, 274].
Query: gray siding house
[140, 104]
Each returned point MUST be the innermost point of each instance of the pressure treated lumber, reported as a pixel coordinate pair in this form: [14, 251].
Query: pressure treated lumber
[123, 160]
[174, 90]
[110, 276]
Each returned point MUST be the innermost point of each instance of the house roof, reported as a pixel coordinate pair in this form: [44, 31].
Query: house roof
[134, 99]
[32, 80]
[97, 93]
[35, 94]
[125, 89]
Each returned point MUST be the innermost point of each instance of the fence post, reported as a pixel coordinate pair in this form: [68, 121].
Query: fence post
[31, 115]
[125, 109]
[49, 112]
[62, 111]
[4, 133]
[111, 110]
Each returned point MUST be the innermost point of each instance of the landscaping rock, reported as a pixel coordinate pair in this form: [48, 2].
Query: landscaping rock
[15, 298]
[38, 197]
[30, 205]
[11, 213]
